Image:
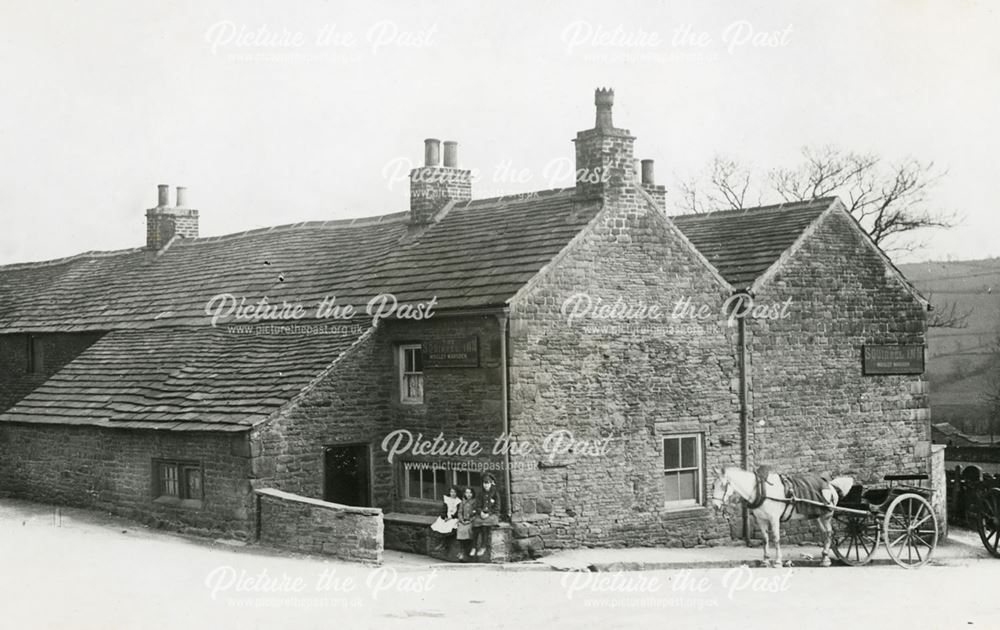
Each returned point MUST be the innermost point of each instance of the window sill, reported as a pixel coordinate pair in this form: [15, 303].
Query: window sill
[424, 506]
[188, 504]
[683, 511]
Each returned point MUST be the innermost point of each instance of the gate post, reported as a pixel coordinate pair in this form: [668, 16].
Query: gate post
[939, 486]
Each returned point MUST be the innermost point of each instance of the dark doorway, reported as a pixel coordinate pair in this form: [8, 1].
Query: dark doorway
[345, 477]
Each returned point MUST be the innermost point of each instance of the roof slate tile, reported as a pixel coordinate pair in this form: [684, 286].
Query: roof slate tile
[743, 244]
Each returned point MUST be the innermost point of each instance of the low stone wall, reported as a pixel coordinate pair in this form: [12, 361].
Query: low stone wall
[412, 533]
[291, 521]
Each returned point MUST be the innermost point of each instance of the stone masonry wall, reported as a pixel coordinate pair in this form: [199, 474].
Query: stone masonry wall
[358, 403]
[460, 403]
[112, 470]
[58, 349]
[348, 406]
[812, 408]
[633, 381]
[290, 521]
[939, 483]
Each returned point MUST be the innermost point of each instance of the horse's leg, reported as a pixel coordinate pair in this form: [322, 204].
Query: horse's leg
[776, 524]
[825, 525]
[764, 526]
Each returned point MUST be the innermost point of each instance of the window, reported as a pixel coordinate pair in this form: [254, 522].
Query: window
[682, 470]
[36, 355]
[411, 374]
[179, 482]
[423, 482]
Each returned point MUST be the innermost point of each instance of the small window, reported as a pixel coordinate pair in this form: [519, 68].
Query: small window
[682, 470]
[178, 482]
[411, 374]
[424, 482]
[36, 355]
[468, 479]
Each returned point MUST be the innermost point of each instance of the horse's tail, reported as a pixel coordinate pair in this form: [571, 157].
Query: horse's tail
[842, 484]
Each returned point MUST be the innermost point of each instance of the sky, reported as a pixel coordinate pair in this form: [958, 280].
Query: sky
[274, 113]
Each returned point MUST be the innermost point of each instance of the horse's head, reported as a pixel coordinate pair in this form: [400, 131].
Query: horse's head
[722, 489]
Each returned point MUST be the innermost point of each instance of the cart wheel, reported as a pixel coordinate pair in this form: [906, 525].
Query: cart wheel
[855, 538]
[910, 530]
[988, 521]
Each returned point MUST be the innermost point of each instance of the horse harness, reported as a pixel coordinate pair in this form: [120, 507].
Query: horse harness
[760, 492]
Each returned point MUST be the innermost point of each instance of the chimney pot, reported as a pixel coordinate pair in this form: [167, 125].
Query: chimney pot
[604, 99]
[648, 178]
[164, 222]
[451, 154]
[432, 152]
[163, 195]
[605, 158]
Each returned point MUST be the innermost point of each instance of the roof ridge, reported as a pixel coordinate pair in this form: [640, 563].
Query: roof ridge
[378, 219]
[519, 197]
[784, 205]
[94, 253]
[394, 217]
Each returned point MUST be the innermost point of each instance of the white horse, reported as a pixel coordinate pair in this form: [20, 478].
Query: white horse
[734, 484]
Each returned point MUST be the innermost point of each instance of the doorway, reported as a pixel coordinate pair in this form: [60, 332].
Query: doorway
[346, 475]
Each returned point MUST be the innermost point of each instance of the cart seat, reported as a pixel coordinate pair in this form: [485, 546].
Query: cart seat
[876, 496]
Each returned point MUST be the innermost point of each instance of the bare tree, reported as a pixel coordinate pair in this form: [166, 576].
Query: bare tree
[728, 183]
[991, 395]
[889, 200]
[948, 314]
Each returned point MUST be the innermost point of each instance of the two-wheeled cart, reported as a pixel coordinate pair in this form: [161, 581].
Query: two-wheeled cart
[899, 515]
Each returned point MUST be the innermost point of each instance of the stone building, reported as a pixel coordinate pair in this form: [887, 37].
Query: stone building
[321, 385]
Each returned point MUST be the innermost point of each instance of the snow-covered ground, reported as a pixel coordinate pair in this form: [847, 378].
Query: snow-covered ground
[91, 571]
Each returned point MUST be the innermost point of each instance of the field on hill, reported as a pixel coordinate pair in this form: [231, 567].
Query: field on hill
[960, 360]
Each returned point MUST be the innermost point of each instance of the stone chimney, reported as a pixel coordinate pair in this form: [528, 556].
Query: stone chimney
[604, 154]
[433, 185]
[648, 181]
[164, 222]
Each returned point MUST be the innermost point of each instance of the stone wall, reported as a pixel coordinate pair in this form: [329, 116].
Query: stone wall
[358, 403]
[348, 406]
[58, 349]
[290, 521]
[460, 403]
[112, 470]
[812, 408]
[939, 485]
[162, 224]
[632, 381]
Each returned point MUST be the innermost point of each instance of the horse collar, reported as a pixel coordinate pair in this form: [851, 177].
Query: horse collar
[761, 494]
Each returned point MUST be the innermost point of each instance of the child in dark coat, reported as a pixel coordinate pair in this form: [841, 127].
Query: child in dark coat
[489, 506]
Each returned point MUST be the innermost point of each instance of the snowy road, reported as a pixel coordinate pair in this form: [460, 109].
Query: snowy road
[94, 572]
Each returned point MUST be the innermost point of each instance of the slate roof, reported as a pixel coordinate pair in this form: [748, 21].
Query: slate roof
[479, 255]
[191, 378]
[743, 244]
[164, 366]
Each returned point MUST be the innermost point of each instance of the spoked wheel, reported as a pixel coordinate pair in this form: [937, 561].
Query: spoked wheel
[988, 521]
[855, 538]
[910, 531]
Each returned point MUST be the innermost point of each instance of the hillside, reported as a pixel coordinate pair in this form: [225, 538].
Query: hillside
[958, 358]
